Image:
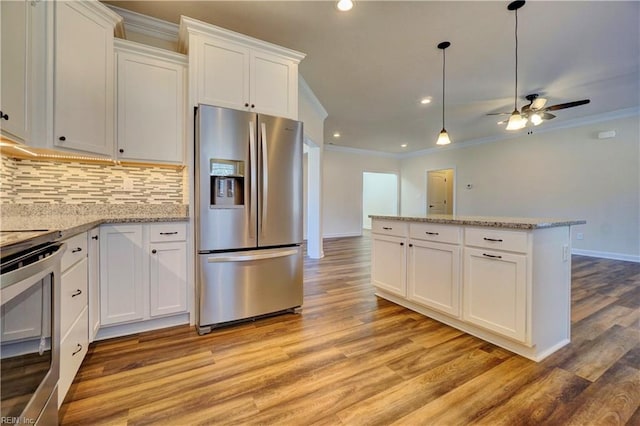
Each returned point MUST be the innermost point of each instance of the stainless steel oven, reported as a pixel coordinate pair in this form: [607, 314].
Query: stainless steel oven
[30, 334]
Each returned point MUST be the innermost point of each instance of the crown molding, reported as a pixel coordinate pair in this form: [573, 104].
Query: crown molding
[147, 25]
[360, 151]
[150, 51]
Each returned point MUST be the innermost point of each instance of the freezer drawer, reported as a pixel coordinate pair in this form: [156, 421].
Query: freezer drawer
[239, 285]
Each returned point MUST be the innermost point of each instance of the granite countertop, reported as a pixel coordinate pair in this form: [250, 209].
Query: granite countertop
[488, 221]
[69, 220]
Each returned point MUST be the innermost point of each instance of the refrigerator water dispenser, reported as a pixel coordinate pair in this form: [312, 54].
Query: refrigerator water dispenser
[227, 183]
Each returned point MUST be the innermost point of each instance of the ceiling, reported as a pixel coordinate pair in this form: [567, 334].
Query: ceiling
[371, 66]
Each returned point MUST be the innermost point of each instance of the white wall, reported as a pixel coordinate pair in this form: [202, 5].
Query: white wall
[565, 173]
[379, 196]
[342, 187]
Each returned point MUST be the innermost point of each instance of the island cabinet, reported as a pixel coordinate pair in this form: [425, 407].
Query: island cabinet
[232, 70]
[434, 266]
[150, 103]
[389, 252]
[143, 276]
[507, 282]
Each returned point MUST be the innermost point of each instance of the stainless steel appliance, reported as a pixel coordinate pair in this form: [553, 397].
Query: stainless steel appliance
[30, 329]
[248, 181]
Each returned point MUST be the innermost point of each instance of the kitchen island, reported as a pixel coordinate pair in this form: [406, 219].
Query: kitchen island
[504, 280]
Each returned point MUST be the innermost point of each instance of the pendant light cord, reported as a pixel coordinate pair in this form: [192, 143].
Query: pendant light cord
[515, 95]
[443, 64]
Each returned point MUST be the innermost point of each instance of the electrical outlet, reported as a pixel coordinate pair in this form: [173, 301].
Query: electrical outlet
[127, 184]
[579, 236]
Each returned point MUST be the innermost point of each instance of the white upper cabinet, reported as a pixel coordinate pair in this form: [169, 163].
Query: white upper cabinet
[150, 103]
[23, 74]
[15, 36]
[83, 77]
[236, 71]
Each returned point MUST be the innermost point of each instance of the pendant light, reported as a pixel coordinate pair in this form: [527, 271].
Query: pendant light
[516, 121]
[443, 137]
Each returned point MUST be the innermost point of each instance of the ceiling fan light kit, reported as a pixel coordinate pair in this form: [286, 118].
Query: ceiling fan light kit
[535, 111]
[443, 137]
[344, 5]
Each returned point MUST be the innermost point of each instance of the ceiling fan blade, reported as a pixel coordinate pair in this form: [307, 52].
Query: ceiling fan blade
[499, 113]
[567, 105]
[547, 116]
[538, 103]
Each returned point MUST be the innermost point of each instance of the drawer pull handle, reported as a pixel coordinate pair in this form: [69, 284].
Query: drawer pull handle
[76, 250]
[169, 233]
[77, 350]
[432, 233]
[77, 293]
[495, 240]
[493, 256]
[387, 228]
[95, 237]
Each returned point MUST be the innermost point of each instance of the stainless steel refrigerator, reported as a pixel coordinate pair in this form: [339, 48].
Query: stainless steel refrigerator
[248, 183]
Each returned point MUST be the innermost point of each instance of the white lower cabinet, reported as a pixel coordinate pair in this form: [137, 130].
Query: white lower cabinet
[93, 246]
[74, 323]
[143, 272]
[510, 287]
[495, 289]
[121, 274]
[434, 275]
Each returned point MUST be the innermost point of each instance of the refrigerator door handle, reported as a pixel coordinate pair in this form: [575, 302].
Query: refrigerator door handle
[265, 176]
[252, 178]
[245, 257]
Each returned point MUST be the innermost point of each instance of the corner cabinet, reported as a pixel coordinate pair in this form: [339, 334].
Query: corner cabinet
[232, 70]
[143, 269]
[150, 103]
[83, 112]
[510, 287]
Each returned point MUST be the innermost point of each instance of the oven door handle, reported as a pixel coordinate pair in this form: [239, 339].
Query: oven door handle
[15, 282]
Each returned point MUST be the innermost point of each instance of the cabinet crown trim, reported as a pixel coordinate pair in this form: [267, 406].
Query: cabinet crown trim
[150, 51]
[190, 26]
[147, 25]
[103, 12]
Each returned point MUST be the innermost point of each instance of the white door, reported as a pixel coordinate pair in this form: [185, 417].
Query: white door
[437, 192]
[379, 196]
[388, 265]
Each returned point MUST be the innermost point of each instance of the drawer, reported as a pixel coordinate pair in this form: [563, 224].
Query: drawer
[76, 250]
[434, 232]
[390, 227]
[161, 232]
[73, 349]
[497, 239]
[73, 294]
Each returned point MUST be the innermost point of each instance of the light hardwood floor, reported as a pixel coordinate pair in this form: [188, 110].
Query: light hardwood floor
[353, 359]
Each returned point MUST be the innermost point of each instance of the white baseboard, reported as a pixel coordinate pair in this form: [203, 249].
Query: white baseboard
[108, 332]
[607, 255]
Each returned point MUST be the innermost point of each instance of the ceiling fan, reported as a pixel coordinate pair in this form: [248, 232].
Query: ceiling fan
[536, 112]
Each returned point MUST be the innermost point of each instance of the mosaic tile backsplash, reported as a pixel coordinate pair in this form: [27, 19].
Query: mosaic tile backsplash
[51, 182]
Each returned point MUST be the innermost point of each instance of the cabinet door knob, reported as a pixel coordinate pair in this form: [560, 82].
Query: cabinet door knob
[62, 138]
[3, 116]
[401, 244]
[246, 104]
[253, 106]
[410, 245]
[154, 251]
[121, 151]
[95, 237]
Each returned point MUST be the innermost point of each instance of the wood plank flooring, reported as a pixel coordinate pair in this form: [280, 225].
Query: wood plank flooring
[353, 359]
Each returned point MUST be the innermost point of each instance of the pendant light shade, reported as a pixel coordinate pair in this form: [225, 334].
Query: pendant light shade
[516, 121]
[443, 138]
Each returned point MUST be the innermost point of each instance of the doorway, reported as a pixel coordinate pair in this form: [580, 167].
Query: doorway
[379, 196]
[440, 191]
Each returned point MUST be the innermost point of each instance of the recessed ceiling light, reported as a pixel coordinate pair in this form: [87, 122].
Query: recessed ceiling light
[404, 145]
[336, 135]
[344, 5]
[425, 101]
